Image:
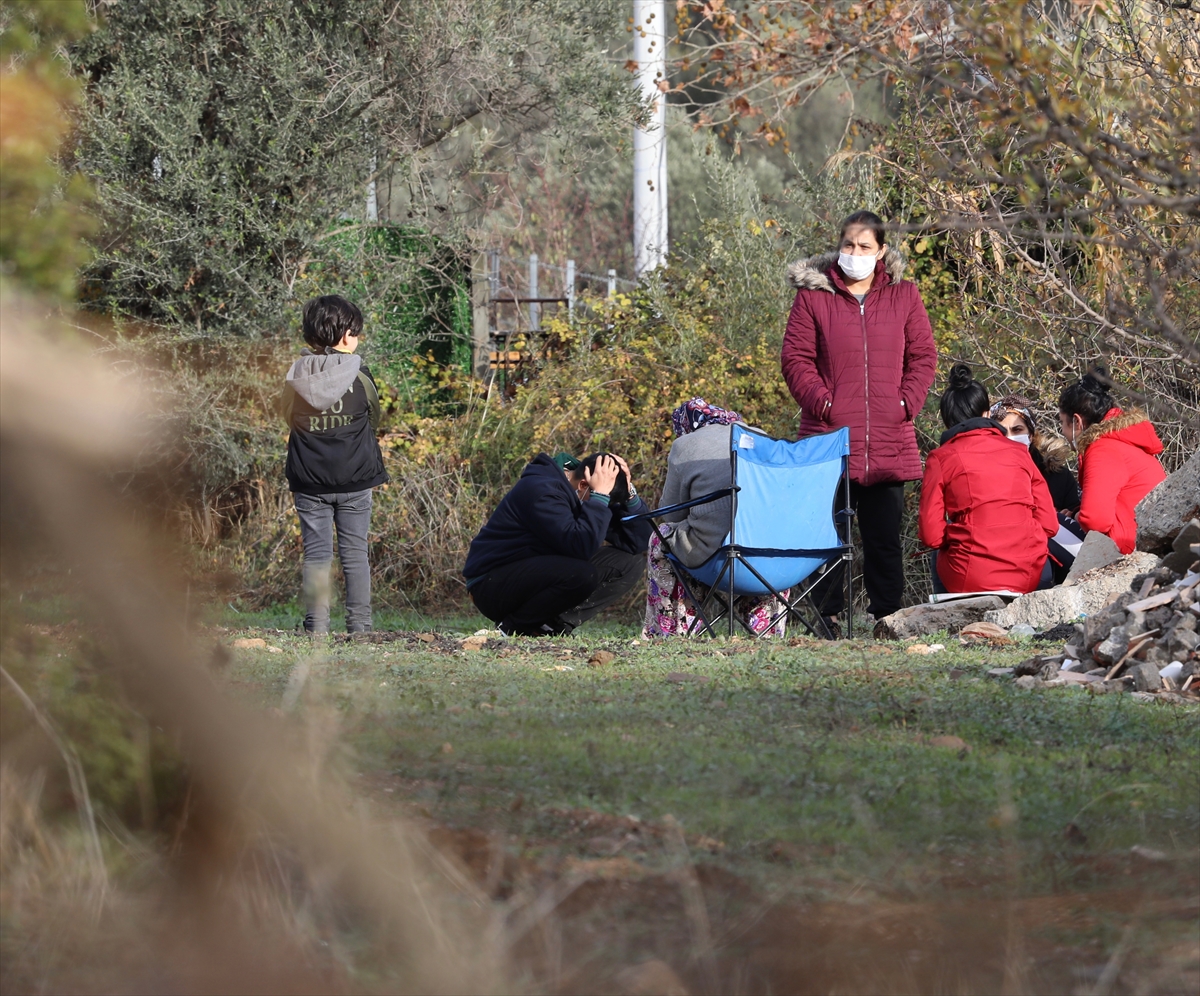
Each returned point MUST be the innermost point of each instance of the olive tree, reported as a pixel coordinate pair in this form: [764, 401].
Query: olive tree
[231, 142]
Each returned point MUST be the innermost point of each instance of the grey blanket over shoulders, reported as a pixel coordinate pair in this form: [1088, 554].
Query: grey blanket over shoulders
[698, 464]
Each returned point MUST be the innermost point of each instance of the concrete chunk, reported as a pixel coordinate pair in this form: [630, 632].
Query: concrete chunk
[1112, 648]
[1181, 556]
[1145, 677]
[920, 620]
[1089, 593]
[1098, 550]
[1165, 510]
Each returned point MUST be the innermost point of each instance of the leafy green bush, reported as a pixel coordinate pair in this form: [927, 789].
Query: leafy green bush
[232, 141]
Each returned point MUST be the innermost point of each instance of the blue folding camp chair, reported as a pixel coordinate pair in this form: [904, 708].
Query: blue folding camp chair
[783, 529]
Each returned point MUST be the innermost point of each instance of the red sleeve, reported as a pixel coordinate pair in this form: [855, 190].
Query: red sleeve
[1100, 479]
[920, 357]
[799, 361]
[1043, 504]
[931, 518]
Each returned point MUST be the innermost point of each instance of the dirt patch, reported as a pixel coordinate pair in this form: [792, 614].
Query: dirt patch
[649, 916]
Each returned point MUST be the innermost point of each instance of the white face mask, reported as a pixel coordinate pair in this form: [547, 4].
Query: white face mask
[1022, 439]
[856, 267]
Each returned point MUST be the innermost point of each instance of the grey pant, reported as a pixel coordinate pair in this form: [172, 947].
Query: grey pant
[617, 571]
[351, 513]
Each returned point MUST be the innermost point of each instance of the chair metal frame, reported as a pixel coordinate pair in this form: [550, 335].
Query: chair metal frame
[735, 554]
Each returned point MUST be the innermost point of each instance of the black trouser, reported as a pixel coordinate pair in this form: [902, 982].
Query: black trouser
[555, 594]
[880, 509]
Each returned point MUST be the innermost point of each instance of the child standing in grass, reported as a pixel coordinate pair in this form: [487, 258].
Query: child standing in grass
[333, 460]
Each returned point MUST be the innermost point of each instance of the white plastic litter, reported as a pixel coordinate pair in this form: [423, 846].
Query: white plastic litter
[1172, 670]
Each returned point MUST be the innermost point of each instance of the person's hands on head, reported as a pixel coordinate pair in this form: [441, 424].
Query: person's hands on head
[603, 476]
[625, 467]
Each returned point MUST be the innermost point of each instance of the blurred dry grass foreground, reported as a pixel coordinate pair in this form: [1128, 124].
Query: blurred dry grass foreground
[273, 859]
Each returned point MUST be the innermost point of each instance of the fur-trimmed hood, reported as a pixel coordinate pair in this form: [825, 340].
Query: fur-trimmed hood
[813, 273]
[1134, 427]
[1055, 451]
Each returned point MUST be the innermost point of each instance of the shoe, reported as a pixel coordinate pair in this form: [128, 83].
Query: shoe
[544, 629]
[835, 627]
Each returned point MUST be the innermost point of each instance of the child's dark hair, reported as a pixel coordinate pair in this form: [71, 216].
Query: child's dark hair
[620, 491]
[964, 397]
[327, 319]
[1089, 397]
[865, 219]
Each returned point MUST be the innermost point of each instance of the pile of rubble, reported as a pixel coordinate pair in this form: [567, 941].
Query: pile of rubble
[1144, 641]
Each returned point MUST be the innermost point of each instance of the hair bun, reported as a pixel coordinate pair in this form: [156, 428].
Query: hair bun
[1097, 380]
[960, 377]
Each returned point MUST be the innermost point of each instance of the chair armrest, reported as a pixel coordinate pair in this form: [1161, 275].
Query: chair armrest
[668, 509]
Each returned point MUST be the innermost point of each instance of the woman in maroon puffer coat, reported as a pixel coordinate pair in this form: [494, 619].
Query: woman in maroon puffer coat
[859, 352]
[985, 507]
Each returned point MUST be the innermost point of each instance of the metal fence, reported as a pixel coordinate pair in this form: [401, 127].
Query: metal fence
[508, 297]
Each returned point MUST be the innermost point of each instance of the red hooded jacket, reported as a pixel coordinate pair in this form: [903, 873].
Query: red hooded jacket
[850, 364]
[1118, 467]
[998, 506]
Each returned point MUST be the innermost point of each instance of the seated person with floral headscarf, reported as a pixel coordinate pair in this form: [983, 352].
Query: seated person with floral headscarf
[1049, 451]
[697, 465]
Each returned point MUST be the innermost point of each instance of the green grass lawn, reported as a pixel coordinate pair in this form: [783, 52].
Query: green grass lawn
[818, 752]
[786, 816]
[837, 843]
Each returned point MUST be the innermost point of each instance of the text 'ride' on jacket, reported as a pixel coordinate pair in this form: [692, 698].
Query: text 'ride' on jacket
[868, 366]
[541, 516]
[999, 511]
[1118, 467]
[331, 405]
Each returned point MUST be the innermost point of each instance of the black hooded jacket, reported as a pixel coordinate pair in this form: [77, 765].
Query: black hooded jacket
[970, 425]
[540, 516]
[331, 405]
[632, 537]
[1064, 489]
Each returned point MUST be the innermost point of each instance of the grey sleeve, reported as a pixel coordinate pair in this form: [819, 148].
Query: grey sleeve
[673, 489]
[373, 406]
[288, 403]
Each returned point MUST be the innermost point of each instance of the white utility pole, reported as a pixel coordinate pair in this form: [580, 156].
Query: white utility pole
[569, 289]
[372, 197]
[535, 310]
[650, 143]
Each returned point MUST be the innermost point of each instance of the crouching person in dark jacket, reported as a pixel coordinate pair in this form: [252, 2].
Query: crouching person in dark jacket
[554, 553]
[333, 461]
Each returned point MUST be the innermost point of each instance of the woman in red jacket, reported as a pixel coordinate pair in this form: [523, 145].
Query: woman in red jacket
[1118, 456]
[859, 352]
[985, 507]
